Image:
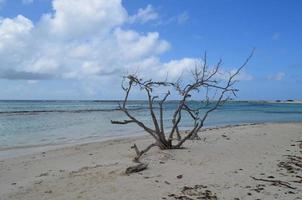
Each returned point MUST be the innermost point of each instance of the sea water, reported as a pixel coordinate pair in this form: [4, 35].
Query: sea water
[40, 123]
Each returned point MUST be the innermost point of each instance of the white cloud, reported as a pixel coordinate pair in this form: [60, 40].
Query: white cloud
[176, 68]
[133, 45]
[177, 19]
[242, 76]
[182, 18]
[87, 41]
[16, 27]
[84, 18]
[276, 77]
[78, 40]
[14, 42]
[144, 15]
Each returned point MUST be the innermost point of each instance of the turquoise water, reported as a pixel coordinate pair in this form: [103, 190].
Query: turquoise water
[34, 123]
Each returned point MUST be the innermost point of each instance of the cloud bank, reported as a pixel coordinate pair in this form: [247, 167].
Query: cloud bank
[91, 45]
[80, 40]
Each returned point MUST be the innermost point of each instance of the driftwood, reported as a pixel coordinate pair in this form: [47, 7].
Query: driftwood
[136, 168]
[205, 79]
[275, 182]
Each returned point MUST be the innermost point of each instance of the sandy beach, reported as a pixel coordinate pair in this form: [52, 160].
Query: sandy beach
[261, 161]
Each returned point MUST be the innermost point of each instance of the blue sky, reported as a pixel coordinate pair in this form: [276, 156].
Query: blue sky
[65, 49]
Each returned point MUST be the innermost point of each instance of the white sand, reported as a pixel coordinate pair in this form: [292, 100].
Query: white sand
[223, 161]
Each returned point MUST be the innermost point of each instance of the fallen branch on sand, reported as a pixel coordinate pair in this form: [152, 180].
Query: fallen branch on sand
[275, 182]
[136, 168]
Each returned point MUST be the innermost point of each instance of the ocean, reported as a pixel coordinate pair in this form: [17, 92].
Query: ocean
[40, 123]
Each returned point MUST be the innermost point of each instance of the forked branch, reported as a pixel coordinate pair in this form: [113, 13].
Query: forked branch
[203, 79]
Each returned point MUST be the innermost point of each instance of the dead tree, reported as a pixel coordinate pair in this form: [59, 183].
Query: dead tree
[204, 79]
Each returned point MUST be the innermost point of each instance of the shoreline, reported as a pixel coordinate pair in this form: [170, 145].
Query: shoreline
[17, 151]
[12, 152]
[220, 165]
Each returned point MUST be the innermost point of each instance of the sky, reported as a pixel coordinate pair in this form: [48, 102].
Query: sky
[80, 49]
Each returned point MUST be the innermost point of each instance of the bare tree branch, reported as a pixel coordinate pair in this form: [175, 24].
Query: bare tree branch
[140, 153]
[204, 79]
[161, 111]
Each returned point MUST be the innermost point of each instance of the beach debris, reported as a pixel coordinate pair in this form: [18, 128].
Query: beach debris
[275, 182]
[180, 197]
[156, 176]
[179, 176]
[259, 188]
[43, 174]
[292, 164]
[298, 181]
[167, 182]
[225, 136]
[136, 168]
[86, 168]
[195, 192]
